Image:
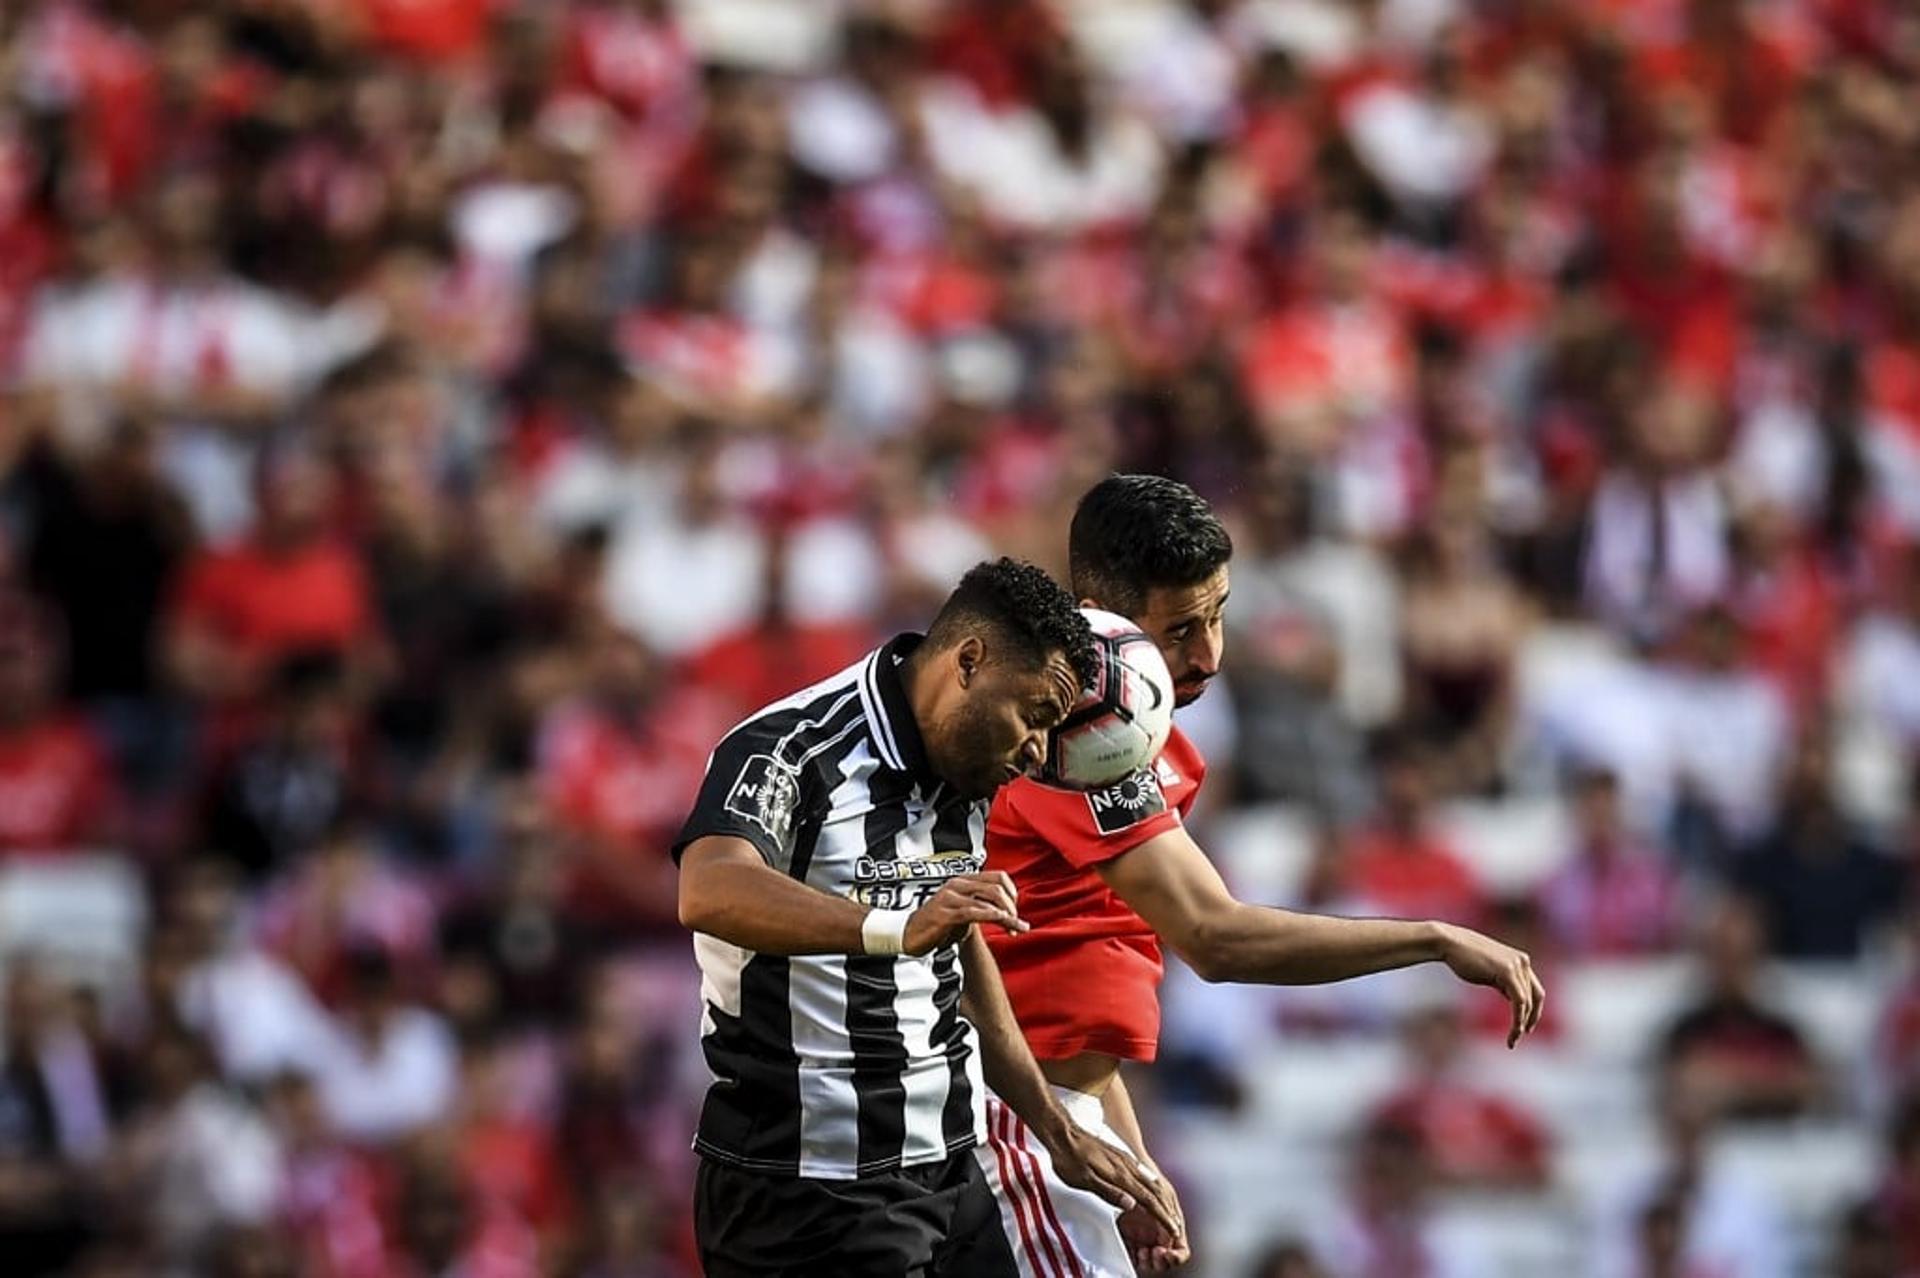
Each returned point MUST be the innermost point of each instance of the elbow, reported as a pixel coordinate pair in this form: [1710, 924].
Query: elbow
[1207, 953]
[695, 916]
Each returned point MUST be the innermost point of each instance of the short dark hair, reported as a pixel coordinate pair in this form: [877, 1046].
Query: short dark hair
[1136, 533]
[1024, 608]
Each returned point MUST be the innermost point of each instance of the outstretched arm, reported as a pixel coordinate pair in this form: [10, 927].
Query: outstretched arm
[1169, 882]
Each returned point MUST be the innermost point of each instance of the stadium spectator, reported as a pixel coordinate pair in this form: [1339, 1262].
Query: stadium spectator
[389, 1068]
[1615, 897]
[1690, 1213]
[1821, 889]
[277, 787]
[1461, 626]
[1899, 1190]
[254, 1012]
[195, 1158]
[58, 791]
[287, 587]
[1286, 1260]
[62, 1099]
[1386, 1225]
[1731, 1054]
[1475, 1138]
[1400, 865]
[331, 1199]
[617, 765]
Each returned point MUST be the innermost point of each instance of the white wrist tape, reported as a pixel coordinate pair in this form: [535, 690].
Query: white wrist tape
[885, 931]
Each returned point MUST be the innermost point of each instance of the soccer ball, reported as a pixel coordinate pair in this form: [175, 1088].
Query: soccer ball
[1121, 722]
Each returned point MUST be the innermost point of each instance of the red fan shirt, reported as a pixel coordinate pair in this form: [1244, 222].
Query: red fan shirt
[268, 604]
[1086, 977]
[55, 786]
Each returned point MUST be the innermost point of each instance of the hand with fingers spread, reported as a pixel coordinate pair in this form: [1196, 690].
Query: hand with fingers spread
[1481, 960]
[961, 902]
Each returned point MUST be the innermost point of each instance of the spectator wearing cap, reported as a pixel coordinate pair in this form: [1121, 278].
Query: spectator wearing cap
[57, 789]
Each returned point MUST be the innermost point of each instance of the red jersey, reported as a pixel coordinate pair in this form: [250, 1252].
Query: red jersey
[1086, 978]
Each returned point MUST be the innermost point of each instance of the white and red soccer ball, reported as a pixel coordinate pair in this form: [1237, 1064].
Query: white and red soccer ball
[1121, 721]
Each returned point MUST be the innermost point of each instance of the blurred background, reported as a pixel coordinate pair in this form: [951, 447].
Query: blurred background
[427, 424]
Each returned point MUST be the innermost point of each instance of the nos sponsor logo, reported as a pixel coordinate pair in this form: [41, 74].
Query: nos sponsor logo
[1126, 803]
[766, 793]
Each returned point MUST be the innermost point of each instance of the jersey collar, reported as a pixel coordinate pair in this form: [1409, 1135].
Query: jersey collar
[896, 735]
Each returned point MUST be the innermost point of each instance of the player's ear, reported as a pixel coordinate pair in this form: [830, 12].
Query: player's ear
[968, 656]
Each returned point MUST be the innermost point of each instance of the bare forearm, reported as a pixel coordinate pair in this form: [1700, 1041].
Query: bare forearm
[1256, 945]
[1006, 1062]
[758, 908]
[1117, 1104]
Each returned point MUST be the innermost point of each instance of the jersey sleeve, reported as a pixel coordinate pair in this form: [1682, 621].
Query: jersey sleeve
[750, 792]
[1087, 827]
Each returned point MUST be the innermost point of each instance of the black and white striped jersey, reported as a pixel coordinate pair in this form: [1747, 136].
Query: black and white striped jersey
[831, 1066]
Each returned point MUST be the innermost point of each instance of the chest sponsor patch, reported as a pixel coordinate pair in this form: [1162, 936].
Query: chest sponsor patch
[1127, 803]
[766, 793]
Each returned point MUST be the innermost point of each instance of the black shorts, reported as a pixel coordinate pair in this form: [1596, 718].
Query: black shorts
[938, 1220]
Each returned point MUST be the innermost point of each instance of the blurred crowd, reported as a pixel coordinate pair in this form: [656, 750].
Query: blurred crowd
[426, 425]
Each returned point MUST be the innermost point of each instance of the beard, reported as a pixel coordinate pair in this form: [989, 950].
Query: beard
[976, 762]
[1185, 694]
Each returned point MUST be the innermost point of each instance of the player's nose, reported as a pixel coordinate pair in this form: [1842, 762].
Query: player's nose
[1203, 654]
[1033, 751]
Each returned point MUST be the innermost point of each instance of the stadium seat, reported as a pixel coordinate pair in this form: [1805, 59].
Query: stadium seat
[1263, 851]
[1512, 845]
[1615, 1012]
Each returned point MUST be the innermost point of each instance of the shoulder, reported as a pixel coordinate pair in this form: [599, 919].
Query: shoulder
[1180, 760]
[825, 712]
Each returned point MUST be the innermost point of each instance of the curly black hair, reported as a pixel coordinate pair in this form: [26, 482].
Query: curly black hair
[1027, 611]
[1132, 534]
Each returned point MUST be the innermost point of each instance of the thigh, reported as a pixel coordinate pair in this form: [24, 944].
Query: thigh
[980, 1244]
[753, 1226]
[1050, 1226]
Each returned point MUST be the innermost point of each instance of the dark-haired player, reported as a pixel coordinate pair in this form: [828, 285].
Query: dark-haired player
[831, 871]
[1105, 879]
